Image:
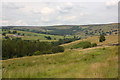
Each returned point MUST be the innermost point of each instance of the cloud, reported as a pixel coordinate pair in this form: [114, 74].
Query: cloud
[64, 8]
[42, 13]
[20, 22]
[3, 21]
[11, 6]
[67, 18]
[111, 3]
[69, 4]
[46, 11]
[36, 8]
[82, 14]
[45, 19]
[70, 18]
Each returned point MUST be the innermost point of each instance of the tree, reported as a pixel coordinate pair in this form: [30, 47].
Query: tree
[4, 34]
[57, 49]
[14, 32]
[48, 37]
[9, 31]
[23, 34]
[74, 37]
[18, 33]
[6, 37]
[18, 39]
[102, 38]
[38, 40]
[110, 32]
[93, 45]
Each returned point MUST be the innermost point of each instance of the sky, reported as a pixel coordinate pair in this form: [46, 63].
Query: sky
[47, 13]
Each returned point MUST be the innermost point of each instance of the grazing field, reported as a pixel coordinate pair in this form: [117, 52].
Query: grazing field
[93, 63]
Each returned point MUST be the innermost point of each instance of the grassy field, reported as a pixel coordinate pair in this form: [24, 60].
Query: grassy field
[94, 39]
[94, 63]
[35, 36]
[97, 62]
[81, 30]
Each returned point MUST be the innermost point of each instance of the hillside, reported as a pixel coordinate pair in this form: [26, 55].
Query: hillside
[95, 39]
[78, 30]
[97, 62]
[26, 35]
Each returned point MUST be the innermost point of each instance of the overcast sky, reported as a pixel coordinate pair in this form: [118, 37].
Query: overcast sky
[44, 13]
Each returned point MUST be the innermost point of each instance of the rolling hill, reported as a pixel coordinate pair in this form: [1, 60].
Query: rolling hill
[64, 30]
[97, 62]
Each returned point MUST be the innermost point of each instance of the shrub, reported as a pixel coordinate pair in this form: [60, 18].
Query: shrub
[4, 34]
[65, 40]
[6, 37]
[9, 31]
[102, 38]
[48, 37]
[103, 48]
[84, 44]
[57, 49]
[14, 32]
[93, 45]
[43, 52]
[18, 33]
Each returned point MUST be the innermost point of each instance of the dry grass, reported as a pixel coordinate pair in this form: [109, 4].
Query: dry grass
[70, 64]
[95, 39]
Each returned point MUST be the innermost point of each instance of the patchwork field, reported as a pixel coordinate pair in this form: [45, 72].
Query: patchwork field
[80, 30]
[33, 36]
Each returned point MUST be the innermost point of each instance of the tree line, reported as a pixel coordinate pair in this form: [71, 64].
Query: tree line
[65, 40]
[19, 48]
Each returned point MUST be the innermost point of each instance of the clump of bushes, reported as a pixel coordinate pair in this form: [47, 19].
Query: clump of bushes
[57, 49]
[93, 45]
[104, 48]
[102, 38]
[42, 52]
[65, 40]
[84, 44]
